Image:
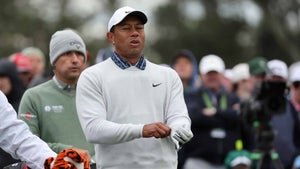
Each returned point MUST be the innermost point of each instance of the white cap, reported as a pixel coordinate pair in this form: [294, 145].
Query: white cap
[228, 74]
[294, 72]
[278, 68]
[240, 72]
[121, 13]
[240, 160]
[211, 63]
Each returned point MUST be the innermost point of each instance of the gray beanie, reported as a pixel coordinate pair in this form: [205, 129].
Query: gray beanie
[65, 41]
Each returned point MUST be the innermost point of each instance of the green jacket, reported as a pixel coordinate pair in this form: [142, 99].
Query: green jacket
[50, 111]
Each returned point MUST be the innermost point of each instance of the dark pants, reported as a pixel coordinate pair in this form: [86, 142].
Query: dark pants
[6, 159]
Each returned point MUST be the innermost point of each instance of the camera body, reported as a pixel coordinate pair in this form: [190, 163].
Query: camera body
[268, 99]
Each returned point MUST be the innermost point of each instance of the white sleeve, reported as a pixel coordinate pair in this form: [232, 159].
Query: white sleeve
[177, 114]
[92, 115]
[17, 140]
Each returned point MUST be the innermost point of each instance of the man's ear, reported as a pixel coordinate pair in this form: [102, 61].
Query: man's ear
[110, 37]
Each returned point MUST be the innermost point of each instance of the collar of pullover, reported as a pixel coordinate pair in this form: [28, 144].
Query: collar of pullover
[123, 64]
[63, 85]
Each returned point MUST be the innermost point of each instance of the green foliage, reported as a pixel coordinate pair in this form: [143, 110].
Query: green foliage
[23, 23]
[215, 34]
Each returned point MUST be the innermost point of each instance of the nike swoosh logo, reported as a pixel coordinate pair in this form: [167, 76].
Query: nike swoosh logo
[155, 85]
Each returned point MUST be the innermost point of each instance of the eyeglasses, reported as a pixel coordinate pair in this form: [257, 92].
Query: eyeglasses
[296, 84]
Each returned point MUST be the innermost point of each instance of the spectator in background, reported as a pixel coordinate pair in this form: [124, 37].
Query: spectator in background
[227, 80]
[24, 68]
[49, 109]
[278, 70]
[12, 87]
[89, 59]
[215, 119]
[258, 69]
[242, 83]
[294, 108]
[38, 63]
[294, 84]
[238, 159]
[103, 54]
[281, 121]
[284, 124]
[10, 83]
[185, 64]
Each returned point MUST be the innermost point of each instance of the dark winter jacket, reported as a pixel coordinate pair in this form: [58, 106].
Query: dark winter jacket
[287, 134]
[215, 136]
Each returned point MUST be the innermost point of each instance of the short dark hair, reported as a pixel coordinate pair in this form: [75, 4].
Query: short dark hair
[112, 29]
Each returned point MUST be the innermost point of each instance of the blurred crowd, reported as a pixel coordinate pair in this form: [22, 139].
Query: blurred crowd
[242, 117]
[224, 136]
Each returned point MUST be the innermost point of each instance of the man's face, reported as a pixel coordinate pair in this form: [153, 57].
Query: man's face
[38, 65]
[68, 66]
[245, 85]
[295, 89]
[5, 85]
[212, 80]
[184, 67]
[128, 38]
[26, 77]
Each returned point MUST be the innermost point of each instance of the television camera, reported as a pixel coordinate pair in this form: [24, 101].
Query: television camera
[267, 100]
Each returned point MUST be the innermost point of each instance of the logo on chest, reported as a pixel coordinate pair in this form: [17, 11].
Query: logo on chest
[54, 108]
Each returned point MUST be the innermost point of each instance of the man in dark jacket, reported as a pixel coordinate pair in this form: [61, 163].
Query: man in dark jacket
[215, 119]
[286, 124]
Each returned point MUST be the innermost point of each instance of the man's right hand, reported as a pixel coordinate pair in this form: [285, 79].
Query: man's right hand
[157, 130]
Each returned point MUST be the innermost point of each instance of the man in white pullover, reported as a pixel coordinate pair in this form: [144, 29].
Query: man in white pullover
[131, 109]
[18, 141]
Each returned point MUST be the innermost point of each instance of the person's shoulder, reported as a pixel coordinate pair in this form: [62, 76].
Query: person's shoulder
[43, 85]
[40, 88]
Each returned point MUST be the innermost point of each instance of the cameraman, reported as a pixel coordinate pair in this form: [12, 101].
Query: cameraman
[284, 123]
[278, 124]
[294, 101]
